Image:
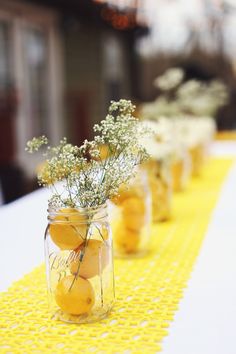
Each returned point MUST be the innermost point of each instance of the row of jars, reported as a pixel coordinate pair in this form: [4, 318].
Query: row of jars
[78, 242]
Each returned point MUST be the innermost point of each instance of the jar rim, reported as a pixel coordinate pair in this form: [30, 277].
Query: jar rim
[99, 211]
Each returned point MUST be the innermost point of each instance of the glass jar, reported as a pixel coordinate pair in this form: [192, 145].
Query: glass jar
[161, 188]
[79, 264]
[197, 155]
[180, 170]
[131, 218]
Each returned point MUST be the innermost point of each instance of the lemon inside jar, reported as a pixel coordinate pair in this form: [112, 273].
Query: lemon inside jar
[126, 241]
[68, 229]
[74, 296]
[131, 220]
[94, 260]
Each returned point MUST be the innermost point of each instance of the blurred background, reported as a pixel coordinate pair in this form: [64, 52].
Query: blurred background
[62, 61]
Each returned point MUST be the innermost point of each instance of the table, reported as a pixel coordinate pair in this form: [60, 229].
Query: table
[206, 320]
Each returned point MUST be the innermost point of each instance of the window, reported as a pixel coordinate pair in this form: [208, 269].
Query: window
[30, 65]
[5, 75]
[36, 61]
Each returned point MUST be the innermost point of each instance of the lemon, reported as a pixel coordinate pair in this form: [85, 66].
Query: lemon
[127, 241]
[74, 296]
[126, 192]
[177, 173]
[95, 259]
[71, 234]
[133, 212]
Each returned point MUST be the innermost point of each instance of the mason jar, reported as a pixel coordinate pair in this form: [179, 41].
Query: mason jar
[79, 264]
[197, 154]
[159, 171]
[180, 169]
[131, 218]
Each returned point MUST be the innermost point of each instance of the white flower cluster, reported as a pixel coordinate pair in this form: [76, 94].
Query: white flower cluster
[191, 105]
[87, 179]
[192, 131]
[173, 136]
[201, 98]
[170, 79]
[160, 145]
[190, 97]
[35, 144]
[158, 108]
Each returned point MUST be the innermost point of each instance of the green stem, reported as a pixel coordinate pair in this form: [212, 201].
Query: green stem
[99, 232]
[69, 192]
[82, 253]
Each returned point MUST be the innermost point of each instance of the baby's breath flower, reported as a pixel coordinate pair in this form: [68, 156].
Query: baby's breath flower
[170, 79]
[89, 180]
[34, 144]
[192, 97]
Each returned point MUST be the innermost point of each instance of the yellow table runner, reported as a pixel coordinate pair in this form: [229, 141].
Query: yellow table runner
[148, 290]
[227, 135]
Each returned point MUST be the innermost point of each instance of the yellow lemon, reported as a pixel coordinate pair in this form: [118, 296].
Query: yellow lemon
[74, 296]
[177, 172]
[161, 199]
[71, 234]
[197, 159]
[133, 211]
[95, 259]
[126, 192]
[126, 240]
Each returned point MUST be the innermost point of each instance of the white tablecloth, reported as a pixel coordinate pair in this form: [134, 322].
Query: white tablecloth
[206, 321]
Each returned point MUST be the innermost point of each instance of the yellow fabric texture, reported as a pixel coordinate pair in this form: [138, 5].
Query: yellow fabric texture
[148, 290]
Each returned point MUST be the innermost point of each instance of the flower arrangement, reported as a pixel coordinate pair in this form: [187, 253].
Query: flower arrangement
[78, 244]
[89, 180]
[169, 80]
[191, 97]
[202, 99]
[191, 105]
